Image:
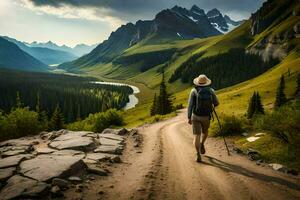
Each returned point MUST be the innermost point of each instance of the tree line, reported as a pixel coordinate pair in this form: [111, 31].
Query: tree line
[224, 69]
[76, 97]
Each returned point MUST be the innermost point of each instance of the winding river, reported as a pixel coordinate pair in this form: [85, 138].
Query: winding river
[133, 100]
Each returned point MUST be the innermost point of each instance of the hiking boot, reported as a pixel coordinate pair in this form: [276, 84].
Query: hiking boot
[202, 149]
[198, 159]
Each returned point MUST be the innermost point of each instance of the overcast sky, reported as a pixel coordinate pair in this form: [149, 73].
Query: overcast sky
[72, 22]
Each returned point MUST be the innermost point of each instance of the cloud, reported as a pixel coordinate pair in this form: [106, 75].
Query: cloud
[132, 10]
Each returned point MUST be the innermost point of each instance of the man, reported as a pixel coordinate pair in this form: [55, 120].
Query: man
[200, 107]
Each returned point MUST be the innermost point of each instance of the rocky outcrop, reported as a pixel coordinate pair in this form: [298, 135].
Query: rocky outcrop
[38, 165]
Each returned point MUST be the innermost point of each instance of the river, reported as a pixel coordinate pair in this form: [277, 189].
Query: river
[133, 100]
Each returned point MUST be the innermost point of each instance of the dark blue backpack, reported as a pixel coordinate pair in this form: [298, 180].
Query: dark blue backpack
[203, 101]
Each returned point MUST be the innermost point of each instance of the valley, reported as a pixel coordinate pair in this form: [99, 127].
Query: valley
[139, 78]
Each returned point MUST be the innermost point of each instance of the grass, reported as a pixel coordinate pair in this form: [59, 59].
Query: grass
[273, 150]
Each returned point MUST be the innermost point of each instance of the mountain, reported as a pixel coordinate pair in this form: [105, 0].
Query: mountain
[78, 50]
[222, 23]
[12, 57]
[44, 54]
[168, 25]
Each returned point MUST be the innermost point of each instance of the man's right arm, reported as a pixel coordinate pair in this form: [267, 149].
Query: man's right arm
[215, 98]
[190, 104]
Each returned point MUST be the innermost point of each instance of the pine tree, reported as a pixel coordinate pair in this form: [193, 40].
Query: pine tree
[19, 103]
[78, 117]
[57, 119]
[280, 95]
[251, 107]
[153, 109]
[164, 103]
[259, 109]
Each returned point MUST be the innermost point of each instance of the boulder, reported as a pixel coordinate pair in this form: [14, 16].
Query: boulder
[48, 166]
[75, 143]
[6, 173]
[13, 160]
[18, 186]
[122, 131]
[116, 149]
[75, 179]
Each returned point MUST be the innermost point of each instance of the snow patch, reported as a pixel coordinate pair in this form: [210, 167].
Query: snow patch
[192, 18]
[218, 28]
[179, 34]
[197, 13]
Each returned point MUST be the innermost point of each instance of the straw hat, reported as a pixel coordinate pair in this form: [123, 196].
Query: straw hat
[202, 80]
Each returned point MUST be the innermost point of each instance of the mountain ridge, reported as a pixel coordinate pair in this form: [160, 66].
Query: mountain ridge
[177, 23]
[12, 57]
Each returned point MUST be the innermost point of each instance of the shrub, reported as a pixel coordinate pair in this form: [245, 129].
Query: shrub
[99, 121]
[282, 123]
[231, 125]
[19, 122]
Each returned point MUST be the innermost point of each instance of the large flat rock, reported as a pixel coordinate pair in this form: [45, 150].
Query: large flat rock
[112, 136]
[6, 173]
[13, 152]
[98, 156]
[112, 142]
[109, 149]
[18, 186]
[67, 152]
[44, 150]
[71, 135]
[75, 143]
[13, 160]
[46, 167]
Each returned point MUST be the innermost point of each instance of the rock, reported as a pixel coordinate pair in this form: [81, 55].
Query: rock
[48, 166]
[122, 131]
[297, 28]
[237, 150]
[79, 188]
[259, 162]
[112, 136]
[6, 173]
[44, 150]
[88, 161]
[18, 186]
[116, 159]
[74, 179]
[245, 134]
[251, 151]
[13, 160]
[293, 172]
[17, 142]
[13, 153]
[75, 143]
[109, 149]
[56, 192]
[67, 152]
[133, 132]
[98, 156]
[279, 167]
[95, 170]
[112, 142]
[60, 183]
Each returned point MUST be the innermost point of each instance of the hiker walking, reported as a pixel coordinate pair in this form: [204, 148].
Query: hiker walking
[202, 99]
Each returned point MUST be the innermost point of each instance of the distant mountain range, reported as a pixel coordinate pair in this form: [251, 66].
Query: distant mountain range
[78, 50]
[177, 23]
[44, 54]
[12, 57]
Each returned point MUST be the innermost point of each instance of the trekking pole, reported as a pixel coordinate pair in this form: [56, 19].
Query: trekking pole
[221, 131]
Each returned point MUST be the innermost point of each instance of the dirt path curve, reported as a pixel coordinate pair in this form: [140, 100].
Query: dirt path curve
[166, 169]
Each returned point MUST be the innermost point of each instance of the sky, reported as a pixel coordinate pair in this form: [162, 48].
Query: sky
[73, 22]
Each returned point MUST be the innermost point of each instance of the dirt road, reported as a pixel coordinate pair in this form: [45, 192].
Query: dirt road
[165, 168]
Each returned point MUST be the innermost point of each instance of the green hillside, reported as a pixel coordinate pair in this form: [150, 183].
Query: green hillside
[12, 57]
